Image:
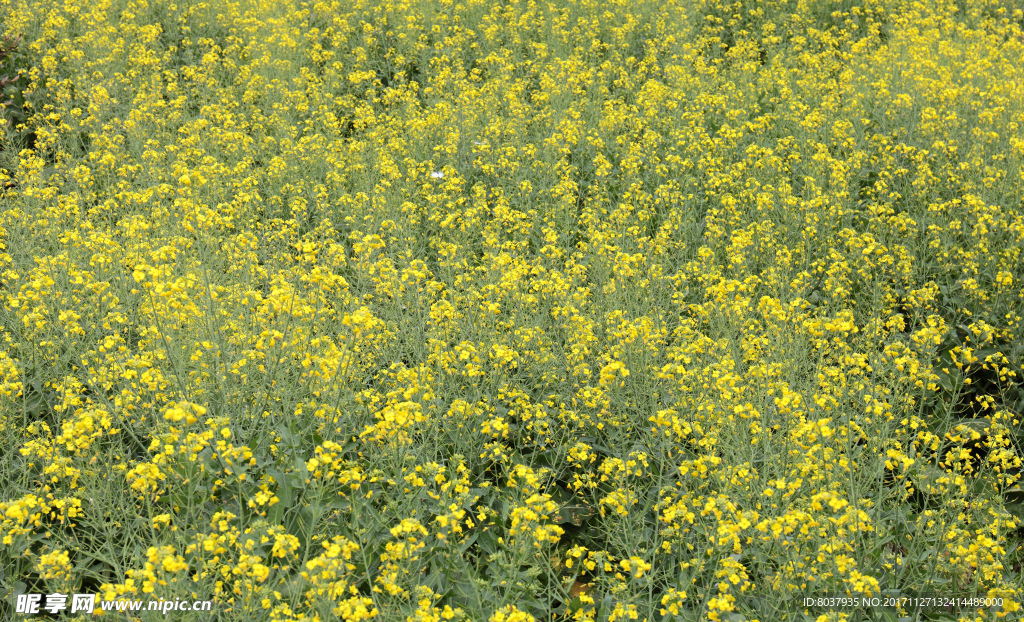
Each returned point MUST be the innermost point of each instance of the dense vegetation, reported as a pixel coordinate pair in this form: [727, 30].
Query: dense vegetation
[510, 310]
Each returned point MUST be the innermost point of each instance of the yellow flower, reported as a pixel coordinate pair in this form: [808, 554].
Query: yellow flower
[510, 613]
[54, 565]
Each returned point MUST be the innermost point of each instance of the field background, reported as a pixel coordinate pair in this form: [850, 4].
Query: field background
[503, 310]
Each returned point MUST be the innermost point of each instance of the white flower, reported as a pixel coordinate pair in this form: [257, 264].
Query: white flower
[437, 174]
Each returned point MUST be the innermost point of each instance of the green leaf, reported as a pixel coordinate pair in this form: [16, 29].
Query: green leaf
[301, 525]
[1016, 509]
[1014, 494]
[488, 542]
[468, 542]
[575, 514]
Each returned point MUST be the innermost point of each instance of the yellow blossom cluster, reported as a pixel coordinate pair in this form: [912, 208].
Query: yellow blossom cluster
[464, 310]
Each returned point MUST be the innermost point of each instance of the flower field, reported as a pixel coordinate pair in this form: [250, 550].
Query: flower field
[513, 310]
